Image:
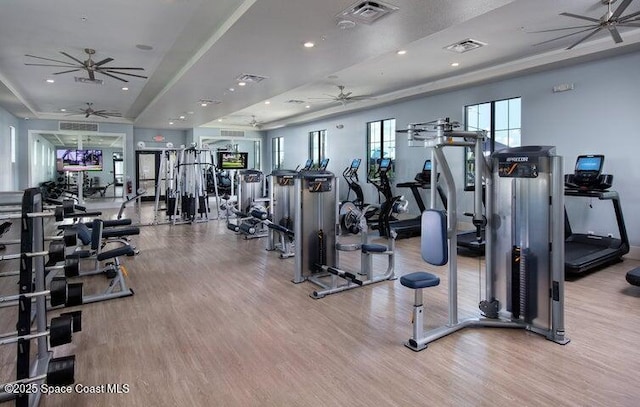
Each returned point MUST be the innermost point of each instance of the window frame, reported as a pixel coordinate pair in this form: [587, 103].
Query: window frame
[277, 152]
[384, 141]
[318, 138]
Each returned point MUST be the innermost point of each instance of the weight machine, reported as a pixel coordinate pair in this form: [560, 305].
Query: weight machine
[524, 275]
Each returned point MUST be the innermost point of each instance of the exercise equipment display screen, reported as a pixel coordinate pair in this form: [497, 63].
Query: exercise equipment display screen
[385, 163]
[589, 163]
[323, 164]
[427, 166]
[308, 164]
[232, 160]
[355, 164]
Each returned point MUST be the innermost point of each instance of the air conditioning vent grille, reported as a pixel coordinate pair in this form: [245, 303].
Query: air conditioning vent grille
[465, 45]
[250, 78]
[231, 133]
[367, 11]
[78, 126]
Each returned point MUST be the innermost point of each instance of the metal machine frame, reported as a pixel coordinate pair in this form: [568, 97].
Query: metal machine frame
[497, 279]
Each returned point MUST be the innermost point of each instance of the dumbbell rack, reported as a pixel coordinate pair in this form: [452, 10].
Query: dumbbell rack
[32, 278]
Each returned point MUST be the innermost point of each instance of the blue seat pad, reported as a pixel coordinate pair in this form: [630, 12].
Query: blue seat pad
[419, 279]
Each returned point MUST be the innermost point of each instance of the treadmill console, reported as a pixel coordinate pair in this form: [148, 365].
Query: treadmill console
[385, 164]
[307, 165]
[424, 176]
[588, 174]
[355, 164]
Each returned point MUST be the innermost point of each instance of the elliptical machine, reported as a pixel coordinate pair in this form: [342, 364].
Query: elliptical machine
[350, 175]
[392, 204]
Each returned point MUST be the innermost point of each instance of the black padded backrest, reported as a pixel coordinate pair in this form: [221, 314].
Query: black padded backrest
[84, 234]
[434, 242]
[96, 234]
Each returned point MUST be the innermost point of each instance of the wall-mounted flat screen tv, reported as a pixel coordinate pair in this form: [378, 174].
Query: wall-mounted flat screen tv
[232, 161]
[79, 160]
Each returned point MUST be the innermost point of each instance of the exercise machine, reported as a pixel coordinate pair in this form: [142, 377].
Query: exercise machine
[316, 249]
[587, 251]
[524, 272]
[391, 206]
[350, 175]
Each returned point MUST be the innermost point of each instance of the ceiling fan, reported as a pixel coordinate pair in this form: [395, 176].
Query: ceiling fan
[254, 122]
[89, 65]
[343, 97]
[90, 111]
[610, 21]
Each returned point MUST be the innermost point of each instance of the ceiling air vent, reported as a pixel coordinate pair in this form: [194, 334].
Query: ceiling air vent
[78, 126]
[367, 11]
[249, 78]
[465, 45]
[89, 80]
[231, 133]
[295, 101]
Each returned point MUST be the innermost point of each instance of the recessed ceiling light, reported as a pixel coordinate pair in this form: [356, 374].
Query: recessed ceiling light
[170, 122]
[309, 44]
[189, 112]
[203, 104]
[63, 110]
[402, 52]
[242, 83]
[182, 117]
[307, 107]
[219, 120]
[232, 89]
[267, 102]
[125, 88]
[50, 81]
[454, 64]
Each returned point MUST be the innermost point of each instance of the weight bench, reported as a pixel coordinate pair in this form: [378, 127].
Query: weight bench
[117, 287]
[434, 250]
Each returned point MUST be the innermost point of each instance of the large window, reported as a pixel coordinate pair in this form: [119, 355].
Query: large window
[381, 143]
[317, 145]
[12, 133]
[501, 120]
[257, 152]
[277, 152]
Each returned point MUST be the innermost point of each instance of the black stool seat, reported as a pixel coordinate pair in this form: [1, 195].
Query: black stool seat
[374, 248]
[419, 279]
[633, 276]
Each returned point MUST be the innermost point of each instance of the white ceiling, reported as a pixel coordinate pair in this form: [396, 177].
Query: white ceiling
[201, 46]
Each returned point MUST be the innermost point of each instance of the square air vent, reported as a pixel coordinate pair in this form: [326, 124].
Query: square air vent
[367, 11]
[231, 133]
[249, 78]
[465, 45]
[78, 126]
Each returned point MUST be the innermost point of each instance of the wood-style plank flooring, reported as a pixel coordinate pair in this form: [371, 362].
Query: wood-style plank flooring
[216, 322]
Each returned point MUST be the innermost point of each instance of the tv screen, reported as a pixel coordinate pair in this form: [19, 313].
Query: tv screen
[589, 163]
[232, 160]
[355, 164]
[79, 160]
[323, 164]
[385, 163]
[427, 166]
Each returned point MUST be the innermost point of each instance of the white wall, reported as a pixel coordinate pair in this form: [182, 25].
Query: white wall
[599, 116]
[43, 163]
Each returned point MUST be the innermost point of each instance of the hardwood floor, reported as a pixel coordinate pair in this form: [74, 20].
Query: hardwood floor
[216, 322]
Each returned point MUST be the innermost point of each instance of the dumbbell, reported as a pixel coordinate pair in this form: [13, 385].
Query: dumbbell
[60, 330]
[61, 292]
[70, 238]
[60, 372]
[71, 268]
[56, 253]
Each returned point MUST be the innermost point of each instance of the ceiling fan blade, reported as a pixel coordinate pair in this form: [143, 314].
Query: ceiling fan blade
[92, 74]
[121, 68]
[104, 61]
[586, 37]
[100, 115]
[636, 24]
[345, 95]
[71, 70]
[615, 34]
[595, 20]
[48, 59]
[566, 28]
[122, 73]
[564, 36]
[74, 58]
[87, 115]
[362, 97]
[628, 16]
[58, 66]
[621, 8]
[113, 76]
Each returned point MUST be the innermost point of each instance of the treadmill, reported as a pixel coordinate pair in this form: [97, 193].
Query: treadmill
[585, 252]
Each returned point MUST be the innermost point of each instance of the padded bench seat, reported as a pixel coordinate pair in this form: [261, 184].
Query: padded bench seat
[374, 248]
[419, 280]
